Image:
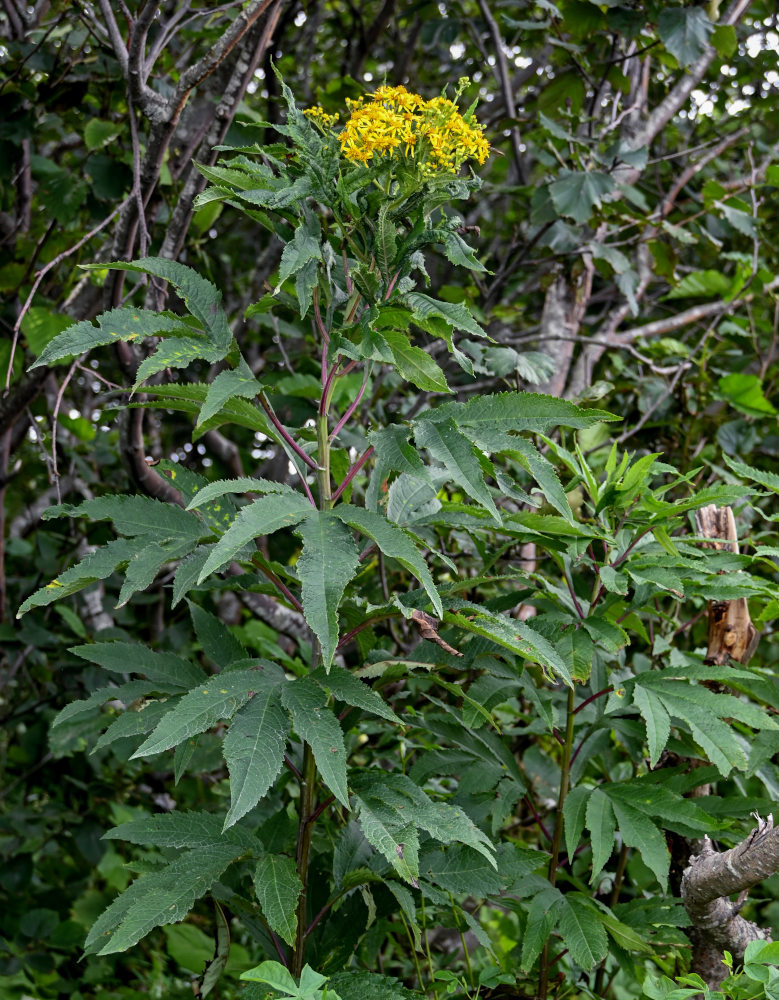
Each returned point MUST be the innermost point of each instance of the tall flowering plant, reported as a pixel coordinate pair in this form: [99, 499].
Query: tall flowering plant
[331, 818]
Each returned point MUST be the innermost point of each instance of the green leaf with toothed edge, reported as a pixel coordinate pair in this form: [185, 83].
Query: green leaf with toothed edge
[517, 411]
[454, 451]
[126, 693]
[133, 658]
[146, 562]
[318, 726]
[98, 565]
[254, 751]
[216, 699]
[541, 918]
[413, 364]
[394, 542]
[178, 352]
[574, 811]
[182, 829]
[327, 563]
[600, 821]
[227, 385]
[514, 635]
[136, 515]
[344, 686]
[582, 931]
[455, 314]
[245, 484]
[639, 831]
[131, 723]
[218, 642]
[658, 722]
[160, 897]
[201, 297]
[262, 517]
[112, 327]
[278, 888]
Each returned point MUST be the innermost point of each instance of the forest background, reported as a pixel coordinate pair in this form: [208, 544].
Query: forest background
[541, 707]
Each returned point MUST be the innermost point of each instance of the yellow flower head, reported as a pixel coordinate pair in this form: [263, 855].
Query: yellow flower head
[396, 124]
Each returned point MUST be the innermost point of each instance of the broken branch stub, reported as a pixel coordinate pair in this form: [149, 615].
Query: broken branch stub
[732, 636]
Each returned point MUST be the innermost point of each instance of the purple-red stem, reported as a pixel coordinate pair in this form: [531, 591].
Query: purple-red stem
[292, 768]
[593, 697]
[352, 407]
[349, 285]
[353, 472]
[323, 332]
[285, 433]
[321, 808]
[391, 286]
[575, 600]
[537, 818]
[281, 586]
[348, 636]
[327, 378]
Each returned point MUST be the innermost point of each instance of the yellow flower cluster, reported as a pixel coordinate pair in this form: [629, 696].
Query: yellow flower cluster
[318, 115]
[399, 124]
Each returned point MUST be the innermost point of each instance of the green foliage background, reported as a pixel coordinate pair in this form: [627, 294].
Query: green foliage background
[630, 276]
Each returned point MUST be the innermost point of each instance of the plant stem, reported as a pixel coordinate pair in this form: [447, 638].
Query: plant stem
[285, 433]
[305, 829]
[565, 775]
[323, 467]
[353, 472]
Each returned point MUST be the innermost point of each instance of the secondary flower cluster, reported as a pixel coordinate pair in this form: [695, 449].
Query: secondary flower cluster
[396, 124]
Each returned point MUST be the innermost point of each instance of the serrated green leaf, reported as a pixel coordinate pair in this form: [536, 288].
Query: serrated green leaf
[770, 480]
[244, 484]
[607, 633]
[325, 566]
[459, 253]
[541, 918]
[518, 411]
[161, 897]
[304, 247]
[254, 751]
[386, 242]
[318, 726]
[573, 814]
[600, 821]
[658, 723]
[454, 451]
[218, 642]
[136, 515]
[455, 314]
[218, 698]
[146, 562]
[461, 869]
[227, 385]
[262, 517]
[414, 364]
[132, 658]
[393, 542]
[201, 297]
[178, 352]
[639, 831]
[578, 193]
[131, 723]
[127, 693]
[278, 887]
[113, 326]
[182, 829]
[685, 32]
[97, 565]
[582, 931]
[187, 572]
[345, 687]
